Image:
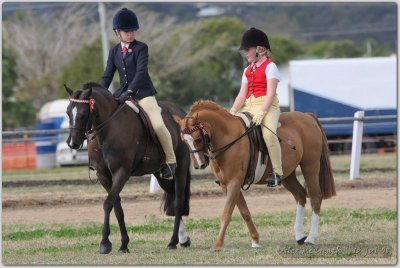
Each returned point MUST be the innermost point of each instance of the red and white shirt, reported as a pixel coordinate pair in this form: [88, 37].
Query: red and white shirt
[256, 76]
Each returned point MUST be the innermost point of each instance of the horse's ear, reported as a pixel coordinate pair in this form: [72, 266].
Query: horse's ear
[177, 119]
[196, 117]
[90, 92]
[69, 91]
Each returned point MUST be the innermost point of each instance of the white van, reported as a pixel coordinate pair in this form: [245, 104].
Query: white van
[66, 156]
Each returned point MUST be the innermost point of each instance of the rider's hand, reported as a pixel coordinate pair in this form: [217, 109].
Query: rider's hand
[258, 117]
[124, 96]
[233, 111]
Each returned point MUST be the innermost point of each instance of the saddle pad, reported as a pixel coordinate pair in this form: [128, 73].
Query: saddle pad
[260, 169]
[245, 119]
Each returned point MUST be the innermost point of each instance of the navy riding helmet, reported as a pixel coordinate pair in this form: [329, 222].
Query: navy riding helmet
[125, 20]
[253, 38]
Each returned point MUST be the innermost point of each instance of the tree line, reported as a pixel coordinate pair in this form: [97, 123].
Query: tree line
[188, 61]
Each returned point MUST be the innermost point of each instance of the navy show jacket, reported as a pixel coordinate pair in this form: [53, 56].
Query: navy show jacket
[132, 70]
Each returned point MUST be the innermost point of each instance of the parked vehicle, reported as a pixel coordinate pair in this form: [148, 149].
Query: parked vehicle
[334, 88]
[66, 156]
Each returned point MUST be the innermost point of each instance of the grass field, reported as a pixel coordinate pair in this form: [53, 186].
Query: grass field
[348, 236]
[77, 244]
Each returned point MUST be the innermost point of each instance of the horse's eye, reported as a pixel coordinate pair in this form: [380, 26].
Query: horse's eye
[198, 141]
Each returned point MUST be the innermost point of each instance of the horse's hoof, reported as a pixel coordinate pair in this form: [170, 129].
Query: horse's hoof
[187, 243]
[301, 241]
[126, 250]
[309, 244]
[105, 248]
[171, 247]
[215, 249]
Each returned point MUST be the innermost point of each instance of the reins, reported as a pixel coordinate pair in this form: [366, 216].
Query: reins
[103, 124]
[222, 149]
[213, 154]
[219, 151]
[88, 133]
[91, 102]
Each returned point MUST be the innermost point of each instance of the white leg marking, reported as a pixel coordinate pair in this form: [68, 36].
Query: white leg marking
[314, 229]
[254, 244]
[183, 237]
[189, 141]
[299, 223]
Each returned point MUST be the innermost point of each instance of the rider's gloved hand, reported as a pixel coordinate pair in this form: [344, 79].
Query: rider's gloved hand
[124, 96]
[258, 117]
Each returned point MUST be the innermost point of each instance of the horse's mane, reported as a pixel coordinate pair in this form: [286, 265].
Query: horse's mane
[91, 84]
[207, 105]
[97, 88]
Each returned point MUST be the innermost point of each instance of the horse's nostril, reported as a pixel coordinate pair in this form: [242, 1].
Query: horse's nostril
[74, 145]
[203, 166]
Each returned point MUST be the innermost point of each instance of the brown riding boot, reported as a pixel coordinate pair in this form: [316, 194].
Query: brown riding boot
[274, 180]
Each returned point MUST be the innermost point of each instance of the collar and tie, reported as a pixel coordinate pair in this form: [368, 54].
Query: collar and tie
[124, 50]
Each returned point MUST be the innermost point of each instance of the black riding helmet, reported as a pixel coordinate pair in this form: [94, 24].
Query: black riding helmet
[125, 20]
[253, 38]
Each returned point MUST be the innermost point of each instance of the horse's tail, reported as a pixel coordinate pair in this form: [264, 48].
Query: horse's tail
[169, 197]
[326, 181]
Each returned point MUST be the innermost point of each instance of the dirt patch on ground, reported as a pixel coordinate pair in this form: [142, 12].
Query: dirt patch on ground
[204, 204]
[213, 191]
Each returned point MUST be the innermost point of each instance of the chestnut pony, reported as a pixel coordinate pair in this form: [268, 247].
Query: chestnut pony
[119, 147]
[209, 127]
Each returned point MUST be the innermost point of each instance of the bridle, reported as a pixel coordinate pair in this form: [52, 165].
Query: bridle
[212, 154]
[91, 102]
[204, 136]
[89, 131]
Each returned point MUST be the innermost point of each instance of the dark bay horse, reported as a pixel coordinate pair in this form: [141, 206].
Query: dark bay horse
[121, 148]
[209, 127]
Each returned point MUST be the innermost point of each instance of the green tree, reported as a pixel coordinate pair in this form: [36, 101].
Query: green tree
[203, 61]
[87, 65]
[334, 49]
[284, 49]
[15, 113]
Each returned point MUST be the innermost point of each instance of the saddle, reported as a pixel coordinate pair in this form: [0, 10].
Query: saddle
[255, 169]
[151, 134]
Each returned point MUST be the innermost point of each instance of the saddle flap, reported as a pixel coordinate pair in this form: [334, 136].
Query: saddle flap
[258, 150]
[151, 134]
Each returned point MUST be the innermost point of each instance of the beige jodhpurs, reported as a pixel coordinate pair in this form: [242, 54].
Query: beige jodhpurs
[149, 104]
[271, 119]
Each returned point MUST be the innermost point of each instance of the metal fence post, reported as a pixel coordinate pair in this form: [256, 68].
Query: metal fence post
[356, 145]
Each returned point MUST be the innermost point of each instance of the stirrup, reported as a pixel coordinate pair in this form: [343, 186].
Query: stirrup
[274, 180]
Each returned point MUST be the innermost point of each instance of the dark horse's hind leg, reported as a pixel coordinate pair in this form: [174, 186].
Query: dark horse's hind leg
[175, 189]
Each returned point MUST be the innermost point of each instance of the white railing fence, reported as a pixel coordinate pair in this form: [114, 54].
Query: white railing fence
[358, 120]
[358, 123]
